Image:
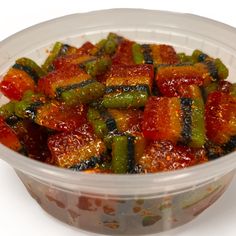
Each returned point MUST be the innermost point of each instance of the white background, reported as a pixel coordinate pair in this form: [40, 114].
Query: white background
[19, 214]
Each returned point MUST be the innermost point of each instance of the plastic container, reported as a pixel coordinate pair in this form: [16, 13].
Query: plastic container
[124, 204]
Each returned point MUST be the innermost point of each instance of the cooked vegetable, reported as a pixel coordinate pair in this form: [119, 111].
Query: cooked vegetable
[118, 106]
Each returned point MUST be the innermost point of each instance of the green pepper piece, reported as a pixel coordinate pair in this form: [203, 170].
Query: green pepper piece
[125, 99]
[198, 126]
[32, 65]
[7, 109]
[222, 70]
[85, 94]
[99, 125]
[195, 55]
[47, 65]
[183, 58]
[120, 154]
[21, 107]
[101, 43]
[110, 46]
[137, 54]
[28, 95]
[98, 66]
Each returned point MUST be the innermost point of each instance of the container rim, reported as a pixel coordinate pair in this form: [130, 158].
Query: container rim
[125, 184]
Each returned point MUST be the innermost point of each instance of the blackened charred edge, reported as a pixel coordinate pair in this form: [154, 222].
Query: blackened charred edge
[63, 50]
[12, 120]
[202, 57]
[147, 53]
[213, 151]
[88, 164]
[109, 120]
[186, 109]
[155, 88]
[31, 111]
[203, 93]
[230, 145]
[212, 69]
[111, 124]
[131, 153]
[84, 83]
[127, 88]
[138, 169]
[23, 151]
[27, 70]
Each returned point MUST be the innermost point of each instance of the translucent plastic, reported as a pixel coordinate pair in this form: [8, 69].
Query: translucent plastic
[124, 204]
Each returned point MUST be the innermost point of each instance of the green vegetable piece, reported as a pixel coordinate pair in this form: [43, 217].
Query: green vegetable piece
[183, 58]
[210, 88]
[101, 43]
[97, 122]
[233, 90]
[85, 94]
[114, 36]
[110, 46]
[32, 65]
[7, 109]
[137, 54]
[198, 125]
[28, 95]
[27, 107]
[98, 66]
[120, 154]
[125, 99]
[47, 66]
[195, 55]
[223, 71]
[21, 107]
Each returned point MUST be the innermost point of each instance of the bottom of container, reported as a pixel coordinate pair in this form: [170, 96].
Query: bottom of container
[125, 217]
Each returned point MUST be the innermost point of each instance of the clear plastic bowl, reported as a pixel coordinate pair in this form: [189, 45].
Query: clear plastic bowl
[124, 204]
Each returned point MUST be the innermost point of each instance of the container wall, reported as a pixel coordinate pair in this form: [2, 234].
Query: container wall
[137, 215]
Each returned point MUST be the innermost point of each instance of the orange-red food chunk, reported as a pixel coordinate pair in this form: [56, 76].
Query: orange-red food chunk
[8, 137]
[127, 120]
[70, 148]
[164, 54]
[124, 53]
[34, 139]
[169, 78]
[130, 75]
[59, 116]
[81, 55]
[162, 119]
[15, 83]
[66, 76]
[220, 117]
[164, 156]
